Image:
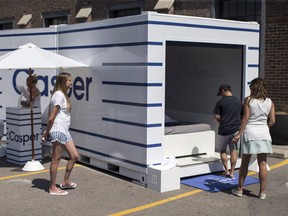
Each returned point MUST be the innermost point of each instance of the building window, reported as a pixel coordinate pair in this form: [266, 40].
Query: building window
[125, 9]
[7, 23]
[124, 12]
[242, 10]
[55, 18]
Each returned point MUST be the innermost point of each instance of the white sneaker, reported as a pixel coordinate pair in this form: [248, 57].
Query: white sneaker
[237, 192]
[262, 196]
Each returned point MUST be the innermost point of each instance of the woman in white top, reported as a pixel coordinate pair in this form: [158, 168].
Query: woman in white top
[259, 115]
[58, 130]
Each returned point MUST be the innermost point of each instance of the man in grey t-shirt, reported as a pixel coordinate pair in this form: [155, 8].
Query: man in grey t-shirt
[227, 112]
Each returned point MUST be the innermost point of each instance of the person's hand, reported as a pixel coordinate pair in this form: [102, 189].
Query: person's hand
[44, 136]
[24, 103]
[236, 138]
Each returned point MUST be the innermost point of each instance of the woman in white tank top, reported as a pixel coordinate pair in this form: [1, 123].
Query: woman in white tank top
[259, 115]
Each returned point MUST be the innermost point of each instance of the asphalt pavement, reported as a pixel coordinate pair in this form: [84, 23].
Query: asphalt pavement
[102, 193]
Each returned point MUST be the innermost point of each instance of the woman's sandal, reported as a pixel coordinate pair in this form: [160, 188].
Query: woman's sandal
[70, 185]
[58, 193]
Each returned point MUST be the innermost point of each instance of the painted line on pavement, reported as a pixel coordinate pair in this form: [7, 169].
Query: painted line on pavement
[180, 196]
[150, 205]
[160, 202]
[32, 173]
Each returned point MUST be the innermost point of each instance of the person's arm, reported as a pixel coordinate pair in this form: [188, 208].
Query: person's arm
[35, 93]
[216, 112]
[217, 118]
[271, 119]
[51, 119]
[244, 122]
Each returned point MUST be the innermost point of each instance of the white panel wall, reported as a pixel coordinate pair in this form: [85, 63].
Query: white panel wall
[119, 103]
[163, 28]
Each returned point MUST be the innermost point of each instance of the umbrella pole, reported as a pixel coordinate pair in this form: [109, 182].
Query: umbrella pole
[31, 113]
[32, 165]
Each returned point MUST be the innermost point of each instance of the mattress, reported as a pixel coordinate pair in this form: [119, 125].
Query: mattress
[182, 128]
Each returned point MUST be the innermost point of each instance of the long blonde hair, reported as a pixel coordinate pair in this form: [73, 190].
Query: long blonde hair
[61, 86]
[257, 89]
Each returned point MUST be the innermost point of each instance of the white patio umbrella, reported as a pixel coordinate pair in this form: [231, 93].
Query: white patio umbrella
[29, 56]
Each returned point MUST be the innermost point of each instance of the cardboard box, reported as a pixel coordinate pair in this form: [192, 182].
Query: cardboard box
[163, 179]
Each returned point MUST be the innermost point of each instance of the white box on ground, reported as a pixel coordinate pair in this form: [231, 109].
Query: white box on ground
[163, 178]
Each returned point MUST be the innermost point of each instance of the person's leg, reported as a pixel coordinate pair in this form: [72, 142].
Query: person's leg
[233, 160]
[222, 146]
[242, 175]
[243, 170]
[56, 157]
[224, 160]
[263, 174]
[73, 157]
[233, 154]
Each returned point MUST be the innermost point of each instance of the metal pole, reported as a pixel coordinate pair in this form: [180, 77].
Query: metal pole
[31, 113]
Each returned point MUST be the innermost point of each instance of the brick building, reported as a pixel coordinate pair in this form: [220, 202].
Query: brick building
[271, 14]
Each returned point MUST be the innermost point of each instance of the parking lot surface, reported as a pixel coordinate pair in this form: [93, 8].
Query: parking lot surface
[102, 193]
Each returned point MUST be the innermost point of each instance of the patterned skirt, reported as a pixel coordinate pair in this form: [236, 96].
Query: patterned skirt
[57, 136]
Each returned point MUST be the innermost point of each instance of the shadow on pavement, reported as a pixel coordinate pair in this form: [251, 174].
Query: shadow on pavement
[41, 184]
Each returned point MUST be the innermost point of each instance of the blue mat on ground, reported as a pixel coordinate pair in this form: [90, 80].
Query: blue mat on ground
[215, 183]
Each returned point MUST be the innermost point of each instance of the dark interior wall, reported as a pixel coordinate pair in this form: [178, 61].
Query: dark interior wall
[194, 72]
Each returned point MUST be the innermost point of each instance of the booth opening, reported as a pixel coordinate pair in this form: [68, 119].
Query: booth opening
[194, 71]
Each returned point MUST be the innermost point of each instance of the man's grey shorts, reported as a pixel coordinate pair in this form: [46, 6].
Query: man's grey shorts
[224, 141]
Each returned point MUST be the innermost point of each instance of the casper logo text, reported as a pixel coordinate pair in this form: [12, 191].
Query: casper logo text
[22, 138]
[80, 87]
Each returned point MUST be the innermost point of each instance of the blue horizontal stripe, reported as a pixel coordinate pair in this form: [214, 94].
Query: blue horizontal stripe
[253, 48]
[132, 103]
[128, 25]
[132, 24]
[133, 64]
[12, 49]
[253, 65]
[28, 34]
[23, 119]
[132, 123]
[17, 114]
[24, 124]
[16, 161]
[103, 27]
[132, 84]
[24, 161]
[113, 157]
[29, 150]
[145, 43]
[113, 45]
[202, 26]
[117, 140]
